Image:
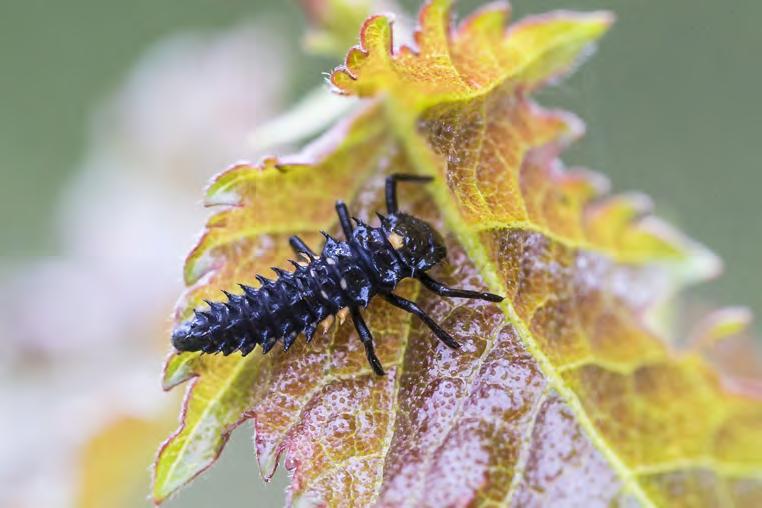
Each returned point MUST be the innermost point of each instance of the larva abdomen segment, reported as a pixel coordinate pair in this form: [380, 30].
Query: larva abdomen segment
[281, 309]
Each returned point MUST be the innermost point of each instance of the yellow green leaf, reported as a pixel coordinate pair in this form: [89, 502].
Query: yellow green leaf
[456, 64]
[562, 393]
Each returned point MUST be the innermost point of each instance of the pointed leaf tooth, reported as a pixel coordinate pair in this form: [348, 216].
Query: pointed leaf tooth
[720, 325]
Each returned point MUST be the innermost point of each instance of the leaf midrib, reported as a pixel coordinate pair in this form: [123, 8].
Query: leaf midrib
[408, 137]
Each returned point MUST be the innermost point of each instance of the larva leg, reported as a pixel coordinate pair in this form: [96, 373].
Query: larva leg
[442, 290]
[346, 224]
[391, 187]
[367, 340]
[300, 247]
[414, 309]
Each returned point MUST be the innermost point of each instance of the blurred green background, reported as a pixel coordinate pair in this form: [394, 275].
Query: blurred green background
[671, 101]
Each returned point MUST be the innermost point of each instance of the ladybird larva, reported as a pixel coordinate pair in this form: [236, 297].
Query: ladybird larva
[342, 280]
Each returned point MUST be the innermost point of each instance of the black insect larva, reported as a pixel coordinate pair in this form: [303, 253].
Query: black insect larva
[342, 280]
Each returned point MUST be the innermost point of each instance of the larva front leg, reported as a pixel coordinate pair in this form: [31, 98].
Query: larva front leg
[437, 287]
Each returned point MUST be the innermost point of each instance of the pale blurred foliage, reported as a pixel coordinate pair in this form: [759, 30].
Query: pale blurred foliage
[85, 333]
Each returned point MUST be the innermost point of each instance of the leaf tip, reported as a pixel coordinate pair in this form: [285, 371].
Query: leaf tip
[178, 368]
[376, 43]
[221, 188]
[199, 261]
[721, 324]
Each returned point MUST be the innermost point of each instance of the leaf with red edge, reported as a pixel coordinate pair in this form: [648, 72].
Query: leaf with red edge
[563, 393]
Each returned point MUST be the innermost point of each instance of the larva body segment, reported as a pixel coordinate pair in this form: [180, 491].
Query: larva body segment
[343, 279]
[345, 274]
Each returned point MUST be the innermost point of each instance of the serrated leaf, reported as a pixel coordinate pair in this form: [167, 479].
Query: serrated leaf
[561, 394]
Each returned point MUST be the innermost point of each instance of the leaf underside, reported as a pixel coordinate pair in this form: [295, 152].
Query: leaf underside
[564, 393]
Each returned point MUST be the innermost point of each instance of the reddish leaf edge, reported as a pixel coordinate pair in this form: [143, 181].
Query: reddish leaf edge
[361, 50]
[224, 436]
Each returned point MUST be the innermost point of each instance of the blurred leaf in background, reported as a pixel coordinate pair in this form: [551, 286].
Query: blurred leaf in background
[112, 468]
[83, 326]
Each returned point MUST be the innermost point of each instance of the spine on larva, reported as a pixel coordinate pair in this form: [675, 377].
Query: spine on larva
[295, 302]
[279, 309]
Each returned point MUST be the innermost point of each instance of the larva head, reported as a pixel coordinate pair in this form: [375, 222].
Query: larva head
[418, 244]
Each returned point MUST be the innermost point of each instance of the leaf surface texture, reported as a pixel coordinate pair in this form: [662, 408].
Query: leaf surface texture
[565, 384]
